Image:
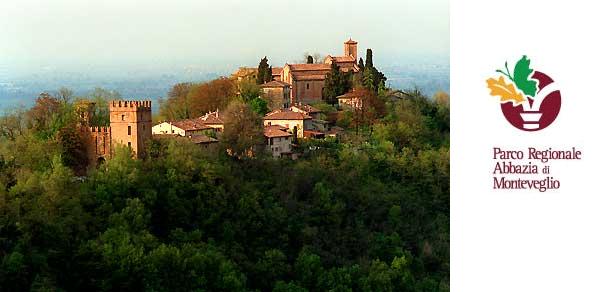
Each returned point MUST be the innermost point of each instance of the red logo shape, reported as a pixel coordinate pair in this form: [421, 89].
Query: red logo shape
[540, 115]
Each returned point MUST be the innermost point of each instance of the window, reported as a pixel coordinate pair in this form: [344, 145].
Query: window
[172, 131]
[122, 117]
[129, 130]
[144, 127]
[129, 145]
[307, 85]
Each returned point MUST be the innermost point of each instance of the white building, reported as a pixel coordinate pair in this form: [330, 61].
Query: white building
[279, 141]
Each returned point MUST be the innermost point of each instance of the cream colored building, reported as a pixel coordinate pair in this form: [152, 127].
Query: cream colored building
[295, 122]
[352, 99]
[279, 141]
[213, 120]
[182, 128]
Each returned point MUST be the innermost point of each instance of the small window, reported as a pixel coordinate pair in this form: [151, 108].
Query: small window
[122, 117]
[307, 85]
[129, 130]
[129, 145]
[172, 131]
[144, 127]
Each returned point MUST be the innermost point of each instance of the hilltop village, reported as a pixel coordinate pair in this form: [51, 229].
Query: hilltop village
[312, 176]
[289, 93]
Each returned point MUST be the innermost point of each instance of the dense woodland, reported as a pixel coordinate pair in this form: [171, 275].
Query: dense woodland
[368, 211]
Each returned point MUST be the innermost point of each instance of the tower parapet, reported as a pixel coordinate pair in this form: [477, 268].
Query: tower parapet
[131, 104]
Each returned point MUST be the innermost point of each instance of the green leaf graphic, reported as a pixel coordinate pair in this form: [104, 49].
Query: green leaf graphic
[521, 77]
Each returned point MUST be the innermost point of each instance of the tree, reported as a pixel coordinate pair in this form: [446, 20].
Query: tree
[264, 74]
[243, 131]
[101, 97]
[259, 106]
[249, 90]
[210, 96]
[361, 64]
[12, 124]
[374, 74]
[64, 94]
[309, 59]
[74, 145]
[177, 105]
[43, 116]
[336, 84]
[369, 61]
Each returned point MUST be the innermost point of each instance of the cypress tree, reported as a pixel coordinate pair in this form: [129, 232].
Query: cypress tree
[361, 64]
[264, 71]
[336, 84]
[369, 62]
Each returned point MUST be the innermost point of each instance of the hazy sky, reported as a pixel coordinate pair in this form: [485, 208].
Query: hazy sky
[81, 35]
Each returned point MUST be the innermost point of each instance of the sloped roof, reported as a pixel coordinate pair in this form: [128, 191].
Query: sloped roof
[349, 94]
[306, 108]
[212, 118]
[286, 115]
[275, 131]
[276, 70]
[202, 139]
[350, 41]
[190, 125]
[343, 59]
[275, 83]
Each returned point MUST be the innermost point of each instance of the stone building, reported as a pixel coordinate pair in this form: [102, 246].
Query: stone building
[308, 80]
[184, 128]
[279, 141]
[130, 125]
[296, 123]
[277, 94]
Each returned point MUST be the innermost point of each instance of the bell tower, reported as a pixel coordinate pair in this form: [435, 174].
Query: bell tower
[131, 124]
[350, 48]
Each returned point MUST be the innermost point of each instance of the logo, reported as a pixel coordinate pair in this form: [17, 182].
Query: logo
[529, 98]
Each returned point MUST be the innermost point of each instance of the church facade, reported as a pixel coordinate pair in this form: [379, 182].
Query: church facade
[308, 80]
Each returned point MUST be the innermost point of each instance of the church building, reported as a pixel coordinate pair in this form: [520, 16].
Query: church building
[308, 80]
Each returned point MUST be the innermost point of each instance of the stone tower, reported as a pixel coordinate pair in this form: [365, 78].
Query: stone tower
[131, 124]
[350, 48]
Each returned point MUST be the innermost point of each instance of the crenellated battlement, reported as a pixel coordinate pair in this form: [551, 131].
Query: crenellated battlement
[100, 129]
[136, 105]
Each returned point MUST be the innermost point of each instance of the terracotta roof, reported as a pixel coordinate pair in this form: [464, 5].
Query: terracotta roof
[306, 108]
[202, 139]
[350, 94]
[286, 115]
[310, 133]
[343, 59]
[276, 70]
[212, 118]
[275, 83]
[190, 125]
[350, 41]
[275, 131]
[309, 67]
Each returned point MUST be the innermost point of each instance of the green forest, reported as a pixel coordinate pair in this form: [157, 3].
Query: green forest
[367, 211]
